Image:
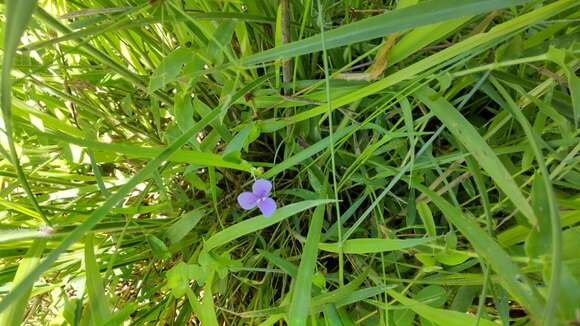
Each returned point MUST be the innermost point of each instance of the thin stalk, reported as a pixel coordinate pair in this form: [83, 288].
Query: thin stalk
[331, 136]
[286, 38]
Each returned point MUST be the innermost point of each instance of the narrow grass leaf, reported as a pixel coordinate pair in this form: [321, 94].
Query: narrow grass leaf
[474, 44]
[298, 314]
[18, 14]
[260, 222]
[476, 145]
[559, 57]
[98, 301]
[427, 217]
[511, 277]
[424, 13]
[367, 246]
[307, 152]
[94, 218]
[14, 314]
[438, 316]
[179, 155]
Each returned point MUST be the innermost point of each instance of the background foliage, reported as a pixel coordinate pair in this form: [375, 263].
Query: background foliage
[424, 156]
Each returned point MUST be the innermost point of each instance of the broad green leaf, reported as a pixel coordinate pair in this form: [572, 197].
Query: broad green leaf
[550, 197]
[570, 278]
[184, 225]
[234, 148]
[570, 244]
[539, 239]
[158, 247]
[169, 68]
[452, 257]
[427, 217]
[178, 277]
[222, 37]
[432, 295]
[183, 111]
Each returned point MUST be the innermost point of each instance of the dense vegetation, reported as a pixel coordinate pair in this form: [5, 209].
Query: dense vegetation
[423, 156]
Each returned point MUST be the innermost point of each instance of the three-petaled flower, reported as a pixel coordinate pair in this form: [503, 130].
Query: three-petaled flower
[258, 197]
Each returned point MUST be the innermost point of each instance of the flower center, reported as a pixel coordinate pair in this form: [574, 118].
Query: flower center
[261, 199]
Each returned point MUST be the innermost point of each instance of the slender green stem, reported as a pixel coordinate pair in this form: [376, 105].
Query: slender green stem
[286, 38]
[331, 135]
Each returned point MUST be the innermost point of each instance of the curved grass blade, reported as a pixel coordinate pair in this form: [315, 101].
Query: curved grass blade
[259, 222]
[14, 314]
[18, 14]
[476, 145]
[127, 23]
[510, 275]
[475, 43]
[308, 152]
[180, 155]
[101, 56]
[424, 13]
[439, 316]
[550, 197]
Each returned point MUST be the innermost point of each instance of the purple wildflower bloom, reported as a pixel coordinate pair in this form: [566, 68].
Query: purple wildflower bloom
[258, 197]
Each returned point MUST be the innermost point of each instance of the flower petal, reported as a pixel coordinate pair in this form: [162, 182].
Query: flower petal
[247, 200]
[267, 207]
[262, 188]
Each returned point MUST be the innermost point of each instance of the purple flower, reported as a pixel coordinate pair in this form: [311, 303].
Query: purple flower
[258, 197]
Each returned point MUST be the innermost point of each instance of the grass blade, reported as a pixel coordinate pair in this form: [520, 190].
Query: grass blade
[511, 277]
[298, 314]
[367, 246]
[259, 222]
[104, 209]
[424, 13]
[439, 316]
[98, 301]
[18, 14]
[15, 312]
[476, 145]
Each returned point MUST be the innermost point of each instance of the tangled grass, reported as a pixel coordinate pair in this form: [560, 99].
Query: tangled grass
[423, 156]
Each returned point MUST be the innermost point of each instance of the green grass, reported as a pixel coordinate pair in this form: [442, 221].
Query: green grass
[445, 191]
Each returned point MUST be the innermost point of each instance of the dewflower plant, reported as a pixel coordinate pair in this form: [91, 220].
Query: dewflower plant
[260, 197]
